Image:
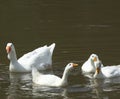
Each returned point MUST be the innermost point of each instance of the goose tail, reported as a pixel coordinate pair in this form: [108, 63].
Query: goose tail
[52, 46]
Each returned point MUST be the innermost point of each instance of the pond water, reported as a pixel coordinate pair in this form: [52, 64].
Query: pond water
[78, 27]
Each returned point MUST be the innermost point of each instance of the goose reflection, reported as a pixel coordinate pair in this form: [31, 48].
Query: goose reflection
[101, 86]
[20, 85]
[97, 89]
[48, 92]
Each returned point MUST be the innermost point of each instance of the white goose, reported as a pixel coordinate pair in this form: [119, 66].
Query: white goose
[88, 66]
[40, 57]
[50, 79]
[106, 72]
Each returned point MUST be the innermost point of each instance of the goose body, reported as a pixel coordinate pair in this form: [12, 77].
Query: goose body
[40, 57]
[106, 72]
[88, 66]
[50, 79]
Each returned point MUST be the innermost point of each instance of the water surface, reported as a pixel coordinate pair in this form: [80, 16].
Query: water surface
[78, 27]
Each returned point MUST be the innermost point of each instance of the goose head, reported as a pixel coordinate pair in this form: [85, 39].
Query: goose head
[70, 66]
[98, 65]
[93, 57]
[10, 49]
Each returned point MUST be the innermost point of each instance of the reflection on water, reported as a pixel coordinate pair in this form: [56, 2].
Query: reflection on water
[102, 86]
[78, 27]
[49, 92]
[20, 85]
[97, 89]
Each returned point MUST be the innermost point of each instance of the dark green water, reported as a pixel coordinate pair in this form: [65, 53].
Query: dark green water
[78, 27]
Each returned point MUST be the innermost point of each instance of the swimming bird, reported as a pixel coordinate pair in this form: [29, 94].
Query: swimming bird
[50, 79]
[88, 66]
[40, 57]
[107, 71]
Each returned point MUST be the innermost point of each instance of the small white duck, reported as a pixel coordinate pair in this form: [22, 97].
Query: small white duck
[106, 72]
[88, 66]
[40, 57]
[50, 79]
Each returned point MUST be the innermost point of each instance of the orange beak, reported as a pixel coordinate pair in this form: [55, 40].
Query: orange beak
[98, 70]
[75, 65]
[95, 59]
[8, 49]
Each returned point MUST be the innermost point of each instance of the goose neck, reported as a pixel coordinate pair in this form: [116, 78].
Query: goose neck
[65, 75]
[12, 57]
